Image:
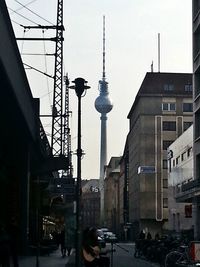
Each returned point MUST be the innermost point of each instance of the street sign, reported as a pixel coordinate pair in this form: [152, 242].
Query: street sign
[146, 169]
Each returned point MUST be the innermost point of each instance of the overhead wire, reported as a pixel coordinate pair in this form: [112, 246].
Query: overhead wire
[16, 22]
[23, 16]
[20, 9]
[44, 47]
[24, 6]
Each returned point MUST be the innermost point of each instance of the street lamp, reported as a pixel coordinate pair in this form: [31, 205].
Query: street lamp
[80, 86]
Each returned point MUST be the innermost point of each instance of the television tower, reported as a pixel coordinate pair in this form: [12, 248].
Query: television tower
[103, 105]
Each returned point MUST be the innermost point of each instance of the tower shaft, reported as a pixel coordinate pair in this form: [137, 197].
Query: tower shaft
[103, 162]
[103, 150]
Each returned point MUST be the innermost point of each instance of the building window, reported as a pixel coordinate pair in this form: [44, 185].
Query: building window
[189, 152]
[165, 183]
[188, 88]
[169, 126]
[166, 144]
[165, 202]
[174, 163]
[168, 87]
[183, 156]
[168, 106]
[186, 125]
[178, 188]
[188, 211]
[164, 163]
[170, 165]
[187, 107]
[177, 160]
[197, 124]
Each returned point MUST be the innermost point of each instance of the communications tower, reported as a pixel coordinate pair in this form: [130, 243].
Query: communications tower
[103, 105]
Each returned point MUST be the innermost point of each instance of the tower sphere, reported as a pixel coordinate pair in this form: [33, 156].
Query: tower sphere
[103, 104]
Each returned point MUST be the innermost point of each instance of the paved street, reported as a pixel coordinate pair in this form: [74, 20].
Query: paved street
[53, 260]
[122, 257]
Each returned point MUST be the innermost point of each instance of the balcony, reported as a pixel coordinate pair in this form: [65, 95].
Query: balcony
[186, 192]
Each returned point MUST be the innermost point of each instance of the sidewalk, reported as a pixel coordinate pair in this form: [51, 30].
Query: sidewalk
[53, 260]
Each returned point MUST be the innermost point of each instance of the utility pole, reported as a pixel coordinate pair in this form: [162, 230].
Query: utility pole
[57, 110]
[57, 107]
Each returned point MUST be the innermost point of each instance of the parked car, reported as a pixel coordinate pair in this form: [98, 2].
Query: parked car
[110, 237]
[100, 233]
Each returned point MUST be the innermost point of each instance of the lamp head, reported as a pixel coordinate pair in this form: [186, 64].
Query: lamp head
[80, 86]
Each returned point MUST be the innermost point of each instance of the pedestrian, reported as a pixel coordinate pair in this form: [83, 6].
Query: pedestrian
[62, 243]
[157, 237]
[142, 235]
[149, 237]
[69, 249]
[92, 253]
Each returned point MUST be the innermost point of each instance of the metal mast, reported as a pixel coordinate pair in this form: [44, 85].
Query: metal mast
[60, 138]
[104, 50]
[57, 108]
[66, 134]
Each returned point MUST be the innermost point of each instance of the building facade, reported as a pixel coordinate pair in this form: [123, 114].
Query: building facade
[112, 194]
[180, 174]
[26, 162]
[162, 110]
[196, 97]
[90, 203]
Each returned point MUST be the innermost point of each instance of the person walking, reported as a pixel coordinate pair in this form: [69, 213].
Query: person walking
[62, 243]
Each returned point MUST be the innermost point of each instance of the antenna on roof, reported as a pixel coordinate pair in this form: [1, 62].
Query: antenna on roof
[104, 53]
[158, 52]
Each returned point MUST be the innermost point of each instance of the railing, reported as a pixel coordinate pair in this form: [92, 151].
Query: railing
[190, 185]
[186, 190]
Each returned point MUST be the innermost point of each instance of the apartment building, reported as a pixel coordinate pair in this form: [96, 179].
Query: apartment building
[180, 178]
[90, 203]
[112, 195]
[161, 112]
[196, 95]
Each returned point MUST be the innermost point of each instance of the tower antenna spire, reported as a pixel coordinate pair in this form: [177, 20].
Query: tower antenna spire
[104, 52]
[103, 105]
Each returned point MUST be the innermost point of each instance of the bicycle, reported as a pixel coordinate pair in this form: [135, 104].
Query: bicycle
[180, 258]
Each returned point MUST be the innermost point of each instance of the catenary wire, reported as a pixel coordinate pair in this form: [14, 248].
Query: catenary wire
[23, 16]
[22, 8]
[33, 12]
[16, 22]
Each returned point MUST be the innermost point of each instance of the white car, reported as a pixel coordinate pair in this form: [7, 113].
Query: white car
[110, 237]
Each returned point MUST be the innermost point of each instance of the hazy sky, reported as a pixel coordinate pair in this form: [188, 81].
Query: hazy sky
[132, 28]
